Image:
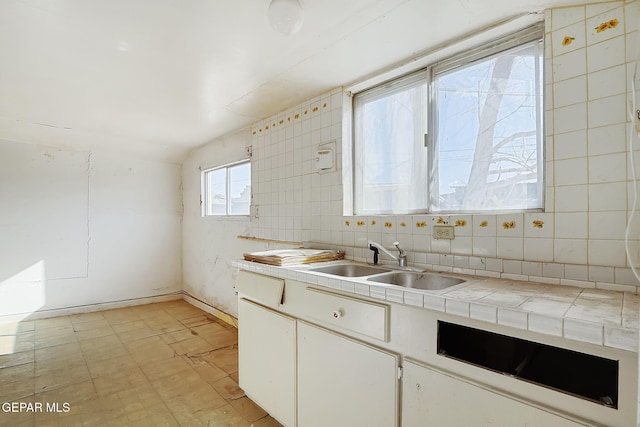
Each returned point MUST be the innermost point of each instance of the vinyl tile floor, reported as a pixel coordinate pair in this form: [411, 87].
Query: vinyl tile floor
[162, 364]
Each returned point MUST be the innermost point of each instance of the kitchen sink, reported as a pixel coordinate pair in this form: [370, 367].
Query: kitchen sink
[424, 281]
[349, 270]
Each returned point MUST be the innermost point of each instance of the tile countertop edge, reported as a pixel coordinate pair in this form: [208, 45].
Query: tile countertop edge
[592, 332]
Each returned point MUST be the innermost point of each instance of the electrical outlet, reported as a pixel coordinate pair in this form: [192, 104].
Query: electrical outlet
[443, 232]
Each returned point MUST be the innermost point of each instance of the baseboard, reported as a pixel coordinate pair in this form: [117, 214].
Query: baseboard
[225, 317]
[66, 311]
[44, 314]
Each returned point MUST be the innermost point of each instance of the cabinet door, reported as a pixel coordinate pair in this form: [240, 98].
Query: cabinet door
[431, 398]
[267, 360]
[342, 382]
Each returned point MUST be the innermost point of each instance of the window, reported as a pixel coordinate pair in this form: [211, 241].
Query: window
[390, 124]
[226, 190]
[462, 135]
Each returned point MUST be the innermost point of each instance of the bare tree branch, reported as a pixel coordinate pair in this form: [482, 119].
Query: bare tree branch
[510, 138]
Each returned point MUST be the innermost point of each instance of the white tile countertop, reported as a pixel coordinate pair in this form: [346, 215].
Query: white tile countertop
[601, 317]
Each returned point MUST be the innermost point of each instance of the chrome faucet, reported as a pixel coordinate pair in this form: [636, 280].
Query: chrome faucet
[401, 259]
[402, 255]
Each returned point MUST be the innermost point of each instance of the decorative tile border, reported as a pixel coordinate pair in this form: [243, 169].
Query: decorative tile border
[314, 108]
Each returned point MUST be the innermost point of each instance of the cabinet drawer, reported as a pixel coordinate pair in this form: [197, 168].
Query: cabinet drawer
[265, 290]
[364, 317]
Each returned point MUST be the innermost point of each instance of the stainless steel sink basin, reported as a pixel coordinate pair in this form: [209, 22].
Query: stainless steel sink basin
[349, 270]
[425, 281]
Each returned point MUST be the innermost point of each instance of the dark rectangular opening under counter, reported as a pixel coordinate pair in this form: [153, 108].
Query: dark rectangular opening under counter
[579, 374]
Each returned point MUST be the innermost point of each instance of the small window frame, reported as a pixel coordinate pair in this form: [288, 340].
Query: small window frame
[205, 190]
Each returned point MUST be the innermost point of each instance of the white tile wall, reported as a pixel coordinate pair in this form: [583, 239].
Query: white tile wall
[571, 91]
[570, 145]
[564, 17]
[578, 238]
[607, 139]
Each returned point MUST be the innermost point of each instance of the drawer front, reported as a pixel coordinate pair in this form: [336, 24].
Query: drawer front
[265, 290]
[364, 317]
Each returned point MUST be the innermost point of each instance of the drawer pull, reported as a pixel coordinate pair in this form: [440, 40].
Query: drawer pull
[337, 314]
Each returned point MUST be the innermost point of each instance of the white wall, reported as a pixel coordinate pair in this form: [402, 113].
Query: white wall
[210, 244]
[82, 228]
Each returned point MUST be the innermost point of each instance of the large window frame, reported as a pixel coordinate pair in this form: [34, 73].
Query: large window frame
[530, 37]
[209, 194]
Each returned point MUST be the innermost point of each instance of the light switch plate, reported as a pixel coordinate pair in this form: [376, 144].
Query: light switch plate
[443, 232]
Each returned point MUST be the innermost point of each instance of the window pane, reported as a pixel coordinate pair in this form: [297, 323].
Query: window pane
[227, 190]
[240, 189]
[389, 150]
[489, 134]
[216, 185]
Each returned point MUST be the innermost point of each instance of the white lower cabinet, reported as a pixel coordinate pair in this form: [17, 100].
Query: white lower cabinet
[432, 398]
[342, 382]
[267, 360]
[314, 357]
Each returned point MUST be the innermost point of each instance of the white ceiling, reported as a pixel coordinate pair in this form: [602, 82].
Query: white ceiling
[159, 77]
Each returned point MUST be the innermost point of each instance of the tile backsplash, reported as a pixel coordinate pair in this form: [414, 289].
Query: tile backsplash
[579, 239]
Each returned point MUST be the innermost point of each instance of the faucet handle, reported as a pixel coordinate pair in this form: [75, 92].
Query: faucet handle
[402, 257]
[397, 245]
[375, 253]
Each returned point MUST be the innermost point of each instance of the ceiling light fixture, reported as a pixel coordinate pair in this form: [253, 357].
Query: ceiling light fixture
[285, 16]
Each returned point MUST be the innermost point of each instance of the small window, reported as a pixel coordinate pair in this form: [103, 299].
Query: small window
[463, 135]
[226, 190]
